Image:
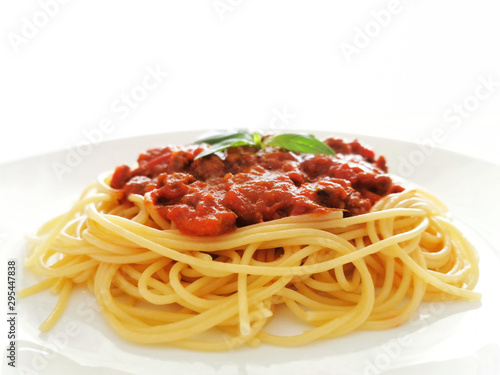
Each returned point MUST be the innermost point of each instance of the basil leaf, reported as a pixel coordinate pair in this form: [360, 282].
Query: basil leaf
[257, 139]
[306, 144]
[238, 135]
[230, 142]
[226, 140]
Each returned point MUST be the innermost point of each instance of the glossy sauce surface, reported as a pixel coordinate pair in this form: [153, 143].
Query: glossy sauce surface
[216, 194]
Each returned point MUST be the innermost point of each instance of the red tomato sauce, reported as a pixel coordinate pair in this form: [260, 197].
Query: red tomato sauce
[240, 186]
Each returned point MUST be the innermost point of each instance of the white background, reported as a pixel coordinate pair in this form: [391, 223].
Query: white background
[411, 70]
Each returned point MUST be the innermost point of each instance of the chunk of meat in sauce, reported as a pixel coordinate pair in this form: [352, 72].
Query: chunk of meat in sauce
[260, 195]
[197, 211]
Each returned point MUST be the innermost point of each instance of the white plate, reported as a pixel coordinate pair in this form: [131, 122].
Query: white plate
[452, 338]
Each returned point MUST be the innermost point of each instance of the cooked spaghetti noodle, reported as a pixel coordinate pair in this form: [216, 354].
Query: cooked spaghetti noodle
[337, 274]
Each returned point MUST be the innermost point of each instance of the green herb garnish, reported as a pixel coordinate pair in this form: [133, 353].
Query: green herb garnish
[306, 144]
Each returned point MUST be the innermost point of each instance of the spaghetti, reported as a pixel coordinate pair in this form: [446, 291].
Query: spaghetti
[157, 285]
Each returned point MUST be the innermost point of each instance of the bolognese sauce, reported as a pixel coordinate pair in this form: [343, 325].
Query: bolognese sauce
[245, 185]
